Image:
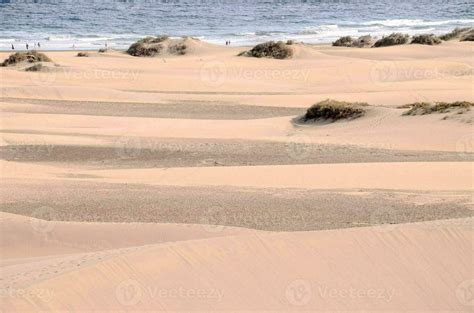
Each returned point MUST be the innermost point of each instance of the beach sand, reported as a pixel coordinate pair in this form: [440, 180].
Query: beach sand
[181, 183]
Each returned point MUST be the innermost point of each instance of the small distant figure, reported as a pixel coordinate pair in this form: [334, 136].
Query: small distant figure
[229, 42]
[73, 46]
[105, 46]
[226, 43]
[13, 47]
[39, 46]
[27, 46]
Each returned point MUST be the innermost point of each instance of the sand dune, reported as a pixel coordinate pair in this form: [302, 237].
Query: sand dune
[182, 184]
[31, 237]
[410, 268]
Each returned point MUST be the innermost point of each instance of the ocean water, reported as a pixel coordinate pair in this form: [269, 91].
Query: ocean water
[90, 24]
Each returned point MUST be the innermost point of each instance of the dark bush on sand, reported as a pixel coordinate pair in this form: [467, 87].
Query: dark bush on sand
[178, 48]
[347, 41]
[147, 47]
[392, 40]
[36, 68]
[363, 41]
[334, 110]
[428, 39]
[30, 56]
[422, 108]
[270, 49]
[458, 33]
[83, 54]
[468, 36]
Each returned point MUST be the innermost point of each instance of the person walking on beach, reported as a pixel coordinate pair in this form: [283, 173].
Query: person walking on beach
[13, 47]
[27, 46]
[39, 46]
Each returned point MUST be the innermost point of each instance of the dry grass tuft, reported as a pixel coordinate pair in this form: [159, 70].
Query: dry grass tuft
[392, 40]
[36, 68]
[427, 39]
[29, 56]
[348, 41]
[334, 110]
[422, 108]
[345, 41]
[178, 48]
[147, 47]
[270, 49]
[463, 34]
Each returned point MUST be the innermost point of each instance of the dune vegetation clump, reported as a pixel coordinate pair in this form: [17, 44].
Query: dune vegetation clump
[36, 68]
[392, 40]
[363, 41]
[422, 108]
[178, 48]
[468, 36]
[348, 41]
[29, 56]
[270, 49]
[345, 41]
[458, 33]
[334, 110]
[426, 39]
[83, 54]
[147, 47]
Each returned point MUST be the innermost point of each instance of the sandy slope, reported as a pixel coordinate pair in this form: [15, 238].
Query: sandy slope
[208, 138]
[417, 267]
[23, 237]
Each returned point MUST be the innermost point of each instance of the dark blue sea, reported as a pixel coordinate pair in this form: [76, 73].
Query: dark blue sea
[88, 24]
